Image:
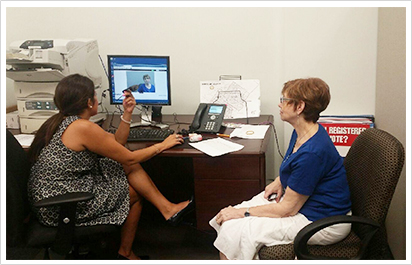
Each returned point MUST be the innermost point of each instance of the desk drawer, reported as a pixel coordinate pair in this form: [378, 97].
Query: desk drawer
[228, 167]
[213, 195]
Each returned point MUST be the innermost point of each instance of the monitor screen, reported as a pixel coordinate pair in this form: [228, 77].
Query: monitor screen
[147, 77]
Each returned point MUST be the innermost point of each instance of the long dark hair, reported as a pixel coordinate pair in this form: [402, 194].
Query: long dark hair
[71, 97]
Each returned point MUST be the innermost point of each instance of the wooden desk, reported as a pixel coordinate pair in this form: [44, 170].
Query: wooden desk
[215, 182]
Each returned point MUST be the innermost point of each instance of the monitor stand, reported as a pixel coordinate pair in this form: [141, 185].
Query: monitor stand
[146, 119]
[146, 115]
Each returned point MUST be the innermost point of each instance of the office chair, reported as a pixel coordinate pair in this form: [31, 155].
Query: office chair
[66, 241]
[373, 165]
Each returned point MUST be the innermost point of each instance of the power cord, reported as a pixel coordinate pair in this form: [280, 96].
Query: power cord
[276, 136]
[104, 67]
[111, 120]
[103, 95]
[276, 139]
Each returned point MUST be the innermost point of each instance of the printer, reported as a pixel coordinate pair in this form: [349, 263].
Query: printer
[36, 66]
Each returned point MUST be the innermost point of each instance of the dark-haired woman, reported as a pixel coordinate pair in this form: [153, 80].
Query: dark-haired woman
[71, 154]
[312, 183]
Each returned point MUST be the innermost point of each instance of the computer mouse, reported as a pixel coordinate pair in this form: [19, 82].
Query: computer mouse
[272, 196]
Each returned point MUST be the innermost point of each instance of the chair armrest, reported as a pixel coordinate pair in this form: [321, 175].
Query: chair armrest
[301, 239]
[64, 198]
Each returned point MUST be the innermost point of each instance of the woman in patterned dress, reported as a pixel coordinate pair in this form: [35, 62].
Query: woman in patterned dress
[71, 153]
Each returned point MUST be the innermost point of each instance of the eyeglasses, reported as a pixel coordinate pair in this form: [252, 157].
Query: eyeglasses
[283, 99]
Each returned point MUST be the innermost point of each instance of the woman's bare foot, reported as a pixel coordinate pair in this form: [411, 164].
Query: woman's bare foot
[175, 209]
[132, 256]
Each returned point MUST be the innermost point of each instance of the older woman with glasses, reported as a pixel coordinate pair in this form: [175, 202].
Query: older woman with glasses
[312, 183]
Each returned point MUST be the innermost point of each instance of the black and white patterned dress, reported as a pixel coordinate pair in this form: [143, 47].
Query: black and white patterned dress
[59, 170]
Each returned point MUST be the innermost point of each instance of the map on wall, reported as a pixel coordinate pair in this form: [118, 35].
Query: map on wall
[242, 97]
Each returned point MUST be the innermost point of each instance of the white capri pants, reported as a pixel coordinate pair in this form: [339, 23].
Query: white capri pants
[242, 238]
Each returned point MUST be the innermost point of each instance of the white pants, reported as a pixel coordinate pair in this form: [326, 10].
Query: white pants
[242, 238]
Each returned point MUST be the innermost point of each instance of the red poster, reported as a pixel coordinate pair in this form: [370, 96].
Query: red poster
[343, 134]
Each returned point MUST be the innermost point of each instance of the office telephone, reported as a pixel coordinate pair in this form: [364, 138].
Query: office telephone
[208, 118]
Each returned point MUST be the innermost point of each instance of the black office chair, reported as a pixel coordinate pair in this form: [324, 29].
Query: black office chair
[66, 241]
[373, 164]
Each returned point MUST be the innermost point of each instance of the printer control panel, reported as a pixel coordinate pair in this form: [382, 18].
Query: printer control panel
[43, 44]
[40, 105]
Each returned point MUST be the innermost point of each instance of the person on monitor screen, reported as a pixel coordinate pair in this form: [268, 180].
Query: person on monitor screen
[72, 154]
[144, 87]
[312, 184]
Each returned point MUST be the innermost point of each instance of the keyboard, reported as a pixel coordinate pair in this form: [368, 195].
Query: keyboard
[146, 135]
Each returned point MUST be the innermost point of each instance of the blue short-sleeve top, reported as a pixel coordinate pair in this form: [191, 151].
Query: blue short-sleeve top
[316, 170]
[142, 88]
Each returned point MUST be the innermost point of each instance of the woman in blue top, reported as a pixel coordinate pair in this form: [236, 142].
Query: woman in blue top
[143, 87]
[146, 86]
[312, 183]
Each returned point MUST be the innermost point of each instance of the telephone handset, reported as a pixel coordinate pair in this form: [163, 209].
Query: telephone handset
[208, 118]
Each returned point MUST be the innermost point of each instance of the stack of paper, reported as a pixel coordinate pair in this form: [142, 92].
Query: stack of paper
[25, 140]
[343, 130]
[353, 119]
[216, 146]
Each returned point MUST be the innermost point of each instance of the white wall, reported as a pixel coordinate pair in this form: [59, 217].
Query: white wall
[202, 43]
[273, 45]
[338, 45]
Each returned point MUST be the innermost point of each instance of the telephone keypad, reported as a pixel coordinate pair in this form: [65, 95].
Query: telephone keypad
[210, 125]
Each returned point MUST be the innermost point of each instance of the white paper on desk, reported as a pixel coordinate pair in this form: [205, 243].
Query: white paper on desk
[250, 131]
[217, 146]
[24, 139]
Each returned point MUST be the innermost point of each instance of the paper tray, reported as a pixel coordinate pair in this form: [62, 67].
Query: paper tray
[36, 76]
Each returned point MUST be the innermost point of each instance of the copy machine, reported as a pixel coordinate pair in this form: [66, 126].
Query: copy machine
[37, 66]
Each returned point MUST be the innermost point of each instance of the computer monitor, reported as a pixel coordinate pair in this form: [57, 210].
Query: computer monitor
[148, 77]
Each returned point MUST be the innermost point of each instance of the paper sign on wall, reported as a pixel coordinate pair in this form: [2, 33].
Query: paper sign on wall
[242, 97]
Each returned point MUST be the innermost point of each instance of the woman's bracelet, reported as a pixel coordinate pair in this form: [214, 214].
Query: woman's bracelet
[128, 122]
[157, 149]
